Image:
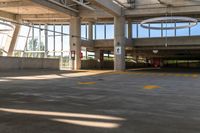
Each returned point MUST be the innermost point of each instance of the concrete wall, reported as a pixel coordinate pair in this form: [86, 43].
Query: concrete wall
[94, 64]
[7, 63]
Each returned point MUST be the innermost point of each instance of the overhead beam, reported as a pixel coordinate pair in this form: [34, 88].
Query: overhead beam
[7, 16]
[43, 16]
[108, 6]
[162, 11]
[14, 4]
[56, 7]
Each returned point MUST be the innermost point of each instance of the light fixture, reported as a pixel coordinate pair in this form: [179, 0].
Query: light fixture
[155, 51]
[191, 22]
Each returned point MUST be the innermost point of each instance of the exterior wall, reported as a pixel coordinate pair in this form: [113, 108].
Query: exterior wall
[8, 63]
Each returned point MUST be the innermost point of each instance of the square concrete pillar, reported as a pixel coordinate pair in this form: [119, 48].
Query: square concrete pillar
[130, 29]
[75, 42]
[119, 43]
[90, 31]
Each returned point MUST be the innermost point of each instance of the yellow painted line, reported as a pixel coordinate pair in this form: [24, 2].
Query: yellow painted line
[151, 87]
[178, 75]
[186, 75]
[86, 83]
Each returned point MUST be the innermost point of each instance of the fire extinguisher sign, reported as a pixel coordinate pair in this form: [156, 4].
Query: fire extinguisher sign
[118, 50]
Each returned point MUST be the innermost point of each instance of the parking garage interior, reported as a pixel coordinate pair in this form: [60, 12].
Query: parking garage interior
[99, 66]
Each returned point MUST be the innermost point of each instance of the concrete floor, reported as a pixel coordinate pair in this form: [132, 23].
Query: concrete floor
[137, 101]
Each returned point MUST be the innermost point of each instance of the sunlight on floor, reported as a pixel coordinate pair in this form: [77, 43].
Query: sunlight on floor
[48, 113]
[96, 120]
[56, 76]
[89, 123]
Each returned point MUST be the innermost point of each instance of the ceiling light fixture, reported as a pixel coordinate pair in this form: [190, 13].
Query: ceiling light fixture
[147, 23]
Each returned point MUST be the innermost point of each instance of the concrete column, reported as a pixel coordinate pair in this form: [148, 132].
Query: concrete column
[46, 41]
[99, 58]
[11, 41]
[90, 31]
[97, 54]
[130, 29]
[119, 43]
[75, 42]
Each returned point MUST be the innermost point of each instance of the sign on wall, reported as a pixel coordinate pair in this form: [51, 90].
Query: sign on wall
[118, 50]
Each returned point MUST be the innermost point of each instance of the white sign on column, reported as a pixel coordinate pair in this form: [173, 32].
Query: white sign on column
[118, 50]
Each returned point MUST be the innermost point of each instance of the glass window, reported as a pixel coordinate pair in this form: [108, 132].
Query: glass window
[42, 43]
[3, 38]
[182, 32]
[22, 38]
[155, 33]
[134, 31]
[84, 32]
[50, 38]
[94, 32]
[142, 32]
[58, 38]
[168, 33]
[30, 38]
[109, 31]
[66, 38]
[195, 31]
[36, 41]
[100, 31]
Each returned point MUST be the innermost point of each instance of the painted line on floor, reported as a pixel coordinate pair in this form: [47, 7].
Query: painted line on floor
[86, 83]
[151, 87]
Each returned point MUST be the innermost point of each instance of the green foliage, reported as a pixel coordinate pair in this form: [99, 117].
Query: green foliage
[34, 45]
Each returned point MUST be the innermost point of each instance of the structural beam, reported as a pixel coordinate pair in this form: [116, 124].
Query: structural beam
[56, 7]
[108, 6]
[7, 16]
[14, 4]
[195, 9]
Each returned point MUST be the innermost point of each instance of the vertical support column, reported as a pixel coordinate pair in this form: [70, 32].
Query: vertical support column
[75, 42]
[46, 41]
[130, 29]
[12, 43]
[119, 43]
[99, 58]
[97, 55]
[90, 32]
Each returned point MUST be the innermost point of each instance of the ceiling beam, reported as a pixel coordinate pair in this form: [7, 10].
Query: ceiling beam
[179, 10]
[7, 16]
[56, 7]
[14, 4]
[108, 6]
